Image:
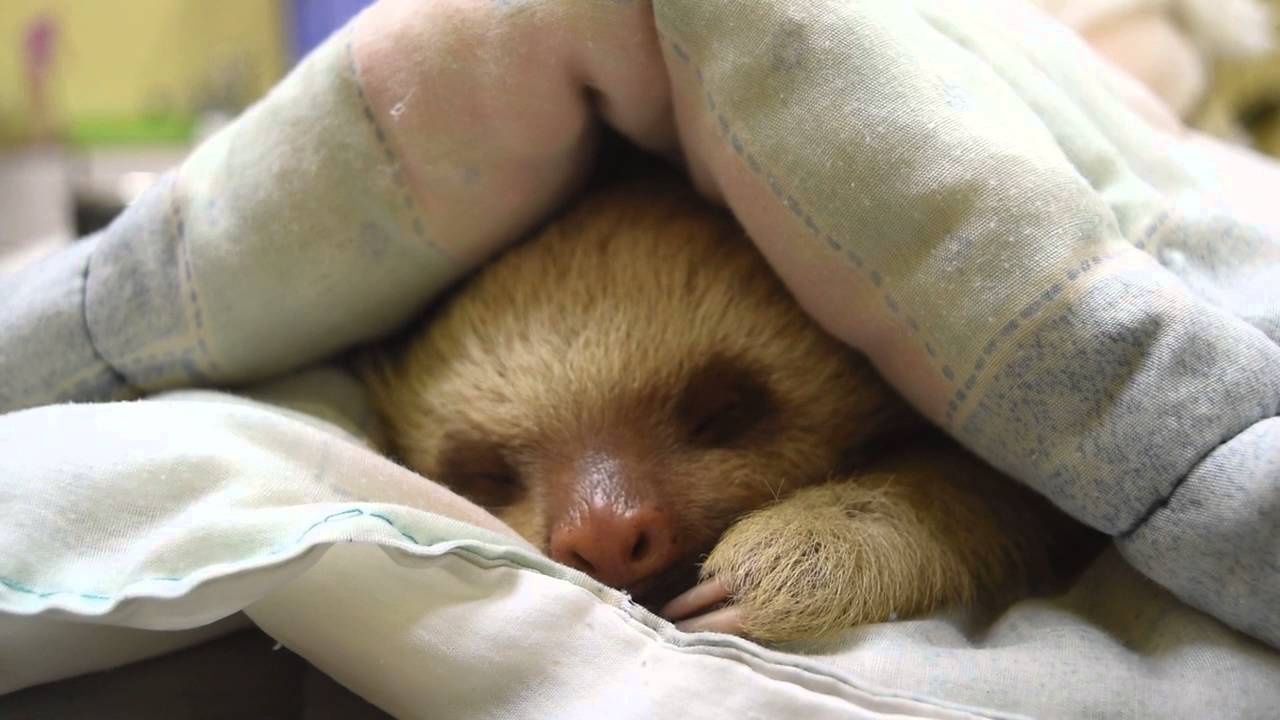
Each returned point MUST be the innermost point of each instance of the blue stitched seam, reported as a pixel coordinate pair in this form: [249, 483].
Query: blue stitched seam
[349, 514]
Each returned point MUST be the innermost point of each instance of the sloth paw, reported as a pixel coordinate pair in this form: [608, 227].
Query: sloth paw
[802, 568]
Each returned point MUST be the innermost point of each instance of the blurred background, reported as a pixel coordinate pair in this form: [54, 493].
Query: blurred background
[97, 97]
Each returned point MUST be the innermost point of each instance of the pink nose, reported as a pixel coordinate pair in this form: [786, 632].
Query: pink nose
[617, 546]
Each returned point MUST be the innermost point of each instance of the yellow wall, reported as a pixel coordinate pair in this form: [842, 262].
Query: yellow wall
[120, 61]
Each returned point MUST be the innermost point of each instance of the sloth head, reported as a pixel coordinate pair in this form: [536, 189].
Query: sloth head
[624, 385]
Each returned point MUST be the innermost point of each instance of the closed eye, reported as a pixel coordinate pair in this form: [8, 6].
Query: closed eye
[478, 469]
[722, 403]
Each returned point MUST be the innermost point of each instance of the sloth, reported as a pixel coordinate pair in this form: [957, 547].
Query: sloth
[635, 392]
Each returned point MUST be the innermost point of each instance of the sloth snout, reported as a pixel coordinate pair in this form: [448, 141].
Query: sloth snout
[617, 546]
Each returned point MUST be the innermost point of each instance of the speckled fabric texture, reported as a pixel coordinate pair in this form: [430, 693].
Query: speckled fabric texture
[1028, 248]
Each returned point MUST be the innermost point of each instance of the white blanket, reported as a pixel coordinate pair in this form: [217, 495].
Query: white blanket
[178, 511]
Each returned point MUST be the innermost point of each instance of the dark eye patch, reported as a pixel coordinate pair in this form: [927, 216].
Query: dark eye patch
[479, 470]
[723, 402]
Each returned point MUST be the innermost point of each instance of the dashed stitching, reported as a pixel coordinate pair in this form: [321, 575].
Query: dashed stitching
[388, 153]
[348, 514]
[741, 148]
[961, 389]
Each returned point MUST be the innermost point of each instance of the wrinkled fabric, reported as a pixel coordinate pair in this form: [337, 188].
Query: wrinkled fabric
[196, 507]
[1029, 251]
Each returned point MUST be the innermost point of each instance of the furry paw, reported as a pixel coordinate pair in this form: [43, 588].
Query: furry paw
[821, 561]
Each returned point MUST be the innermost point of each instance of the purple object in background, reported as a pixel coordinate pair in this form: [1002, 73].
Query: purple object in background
[311, 21]
[39, 48]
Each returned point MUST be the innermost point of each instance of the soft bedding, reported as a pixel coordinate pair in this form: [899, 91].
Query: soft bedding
[1030, 251]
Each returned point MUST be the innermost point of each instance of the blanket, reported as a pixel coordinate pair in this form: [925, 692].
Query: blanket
[1028, 248]
[222, 507]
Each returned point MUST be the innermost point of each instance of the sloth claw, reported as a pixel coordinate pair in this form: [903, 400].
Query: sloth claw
[703, 597]
[727, 620]
[701, 609]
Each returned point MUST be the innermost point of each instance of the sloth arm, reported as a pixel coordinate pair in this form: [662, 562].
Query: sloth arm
[925, 528]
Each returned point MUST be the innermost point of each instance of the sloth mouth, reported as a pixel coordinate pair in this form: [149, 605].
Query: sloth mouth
[655, 591]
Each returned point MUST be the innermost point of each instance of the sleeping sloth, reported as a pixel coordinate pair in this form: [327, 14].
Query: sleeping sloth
[634, 392]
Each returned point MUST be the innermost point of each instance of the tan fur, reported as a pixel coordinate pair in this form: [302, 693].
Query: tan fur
[919, 530]
[577, 345]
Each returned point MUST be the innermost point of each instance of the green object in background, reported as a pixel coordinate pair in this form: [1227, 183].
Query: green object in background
[109, 131]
